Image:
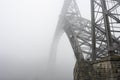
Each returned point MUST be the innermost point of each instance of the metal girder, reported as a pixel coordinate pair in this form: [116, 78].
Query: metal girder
[101, 30]
[104, 17]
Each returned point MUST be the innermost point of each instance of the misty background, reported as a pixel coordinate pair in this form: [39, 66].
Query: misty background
[26, 31]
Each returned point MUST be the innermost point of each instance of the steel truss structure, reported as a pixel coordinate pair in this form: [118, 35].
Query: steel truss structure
[105, 28]
[90, 40]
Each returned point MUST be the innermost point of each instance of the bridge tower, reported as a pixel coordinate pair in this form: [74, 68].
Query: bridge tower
[105, 25]
[95, 42]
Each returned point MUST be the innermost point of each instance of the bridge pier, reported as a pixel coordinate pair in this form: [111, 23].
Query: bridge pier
[107, 68]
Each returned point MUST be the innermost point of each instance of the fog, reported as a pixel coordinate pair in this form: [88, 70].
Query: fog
[26, 31]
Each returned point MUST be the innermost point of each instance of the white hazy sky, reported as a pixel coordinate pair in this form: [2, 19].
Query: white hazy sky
[26, 32]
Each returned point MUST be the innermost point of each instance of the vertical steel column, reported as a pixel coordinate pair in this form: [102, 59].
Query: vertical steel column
[107, 26]
[93, 55]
